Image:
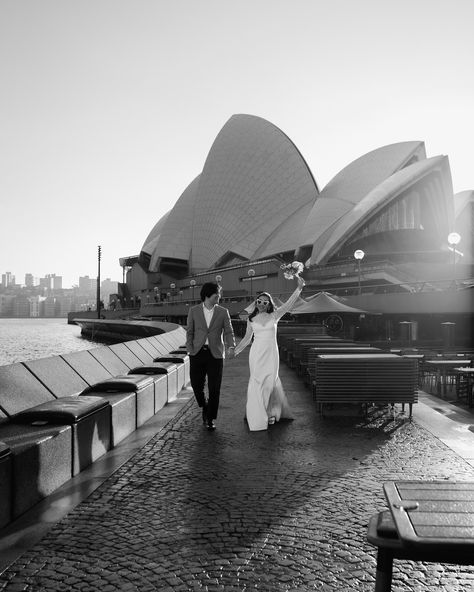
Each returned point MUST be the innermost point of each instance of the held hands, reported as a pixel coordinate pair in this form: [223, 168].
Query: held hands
[230, 352]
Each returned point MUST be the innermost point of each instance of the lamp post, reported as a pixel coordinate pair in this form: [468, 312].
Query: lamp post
[454, 239]
[172, 286]
[193, 285]
[99, 254]
[359, 255]
[251, 273]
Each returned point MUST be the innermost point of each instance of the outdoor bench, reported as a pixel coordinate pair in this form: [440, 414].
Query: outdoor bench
[183, 364]
[287, 344]
[89, 418]
[166, 377]
[296, 348]
[312, 353]
[366, 379]
[59, 414]
[303, 348]
[142, 386]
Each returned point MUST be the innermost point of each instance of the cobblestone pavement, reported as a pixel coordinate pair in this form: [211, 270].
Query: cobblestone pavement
[233, 510]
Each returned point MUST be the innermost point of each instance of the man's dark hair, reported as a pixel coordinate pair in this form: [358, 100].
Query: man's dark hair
[208, 289]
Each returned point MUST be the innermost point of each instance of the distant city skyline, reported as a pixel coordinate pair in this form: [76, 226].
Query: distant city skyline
[109, 109]
[54, 276]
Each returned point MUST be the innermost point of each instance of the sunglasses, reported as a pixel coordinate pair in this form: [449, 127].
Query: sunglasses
[258, 301]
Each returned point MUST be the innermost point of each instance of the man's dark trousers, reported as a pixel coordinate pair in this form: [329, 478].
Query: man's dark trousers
[203, 365]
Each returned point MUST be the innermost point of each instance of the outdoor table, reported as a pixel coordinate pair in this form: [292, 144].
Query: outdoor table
[465, 375]
[442, 366]
[428, 521]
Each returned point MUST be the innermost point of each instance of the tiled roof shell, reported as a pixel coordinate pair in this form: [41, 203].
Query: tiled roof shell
[253, 180]
[256, 197]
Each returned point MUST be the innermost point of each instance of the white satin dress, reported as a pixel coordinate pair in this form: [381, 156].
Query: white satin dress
[265, 394]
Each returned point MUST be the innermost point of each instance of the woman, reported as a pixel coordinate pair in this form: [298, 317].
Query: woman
[266, 399]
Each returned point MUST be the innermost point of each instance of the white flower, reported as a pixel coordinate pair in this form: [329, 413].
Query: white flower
[292, 269]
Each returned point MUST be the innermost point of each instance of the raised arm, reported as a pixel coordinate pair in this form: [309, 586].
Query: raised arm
[247, 338]
[288, 305]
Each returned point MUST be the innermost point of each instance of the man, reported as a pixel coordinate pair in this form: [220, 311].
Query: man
[207, 328]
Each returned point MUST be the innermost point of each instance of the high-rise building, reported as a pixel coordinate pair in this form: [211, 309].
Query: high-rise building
[45, 282]
[8, 279]
[29, 280]
[51, 282]
[87, 284]
[57, 282]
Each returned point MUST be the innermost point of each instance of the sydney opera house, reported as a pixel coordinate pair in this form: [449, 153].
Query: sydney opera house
[386, 235]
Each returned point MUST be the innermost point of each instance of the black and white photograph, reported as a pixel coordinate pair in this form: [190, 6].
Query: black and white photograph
[237, 296]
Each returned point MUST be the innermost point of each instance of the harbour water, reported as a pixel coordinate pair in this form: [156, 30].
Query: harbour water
[29, 339]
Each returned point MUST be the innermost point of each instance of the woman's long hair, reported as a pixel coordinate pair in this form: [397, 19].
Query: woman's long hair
[271, 307]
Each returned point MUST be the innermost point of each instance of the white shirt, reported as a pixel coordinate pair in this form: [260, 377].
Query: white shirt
[208, 316]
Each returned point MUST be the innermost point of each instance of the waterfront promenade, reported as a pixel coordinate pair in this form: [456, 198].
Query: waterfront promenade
[176, 507]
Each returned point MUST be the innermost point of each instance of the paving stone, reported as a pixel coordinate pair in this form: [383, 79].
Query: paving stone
[274, 511]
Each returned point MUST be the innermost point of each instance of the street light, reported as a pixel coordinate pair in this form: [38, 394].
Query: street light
[251, 273]
[99, 254]
[359, 255]
[454, 239]
[193, 285]
[172, 286]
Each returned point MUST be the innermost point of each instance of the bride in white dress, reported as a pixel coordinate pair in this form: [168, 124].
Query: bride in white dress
[266, 399]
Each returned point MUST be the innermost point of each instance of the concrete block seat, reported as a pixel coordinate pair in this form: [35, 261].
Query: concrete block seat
[41, 456]
[74, 373]
[123, 404]
[183, 363]
[89, 418]
[6, 484]
[119, 360]
[41, 461]
[165, 375]
[139, 385]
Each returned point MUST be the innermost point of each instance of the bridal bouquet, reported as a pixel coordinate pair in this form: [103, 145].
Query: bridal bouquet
[291, 270]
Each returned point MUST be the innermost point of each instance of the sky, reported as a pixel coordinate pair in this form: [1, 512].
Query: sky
[108, 108]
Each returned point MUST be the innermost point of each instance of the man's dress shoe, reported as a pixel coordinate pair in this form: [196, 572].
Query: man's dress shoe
[204, 414]
[211, 425]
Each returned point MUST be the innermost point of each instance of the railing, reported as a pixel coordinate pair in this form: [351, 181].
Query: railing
[378, 288]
